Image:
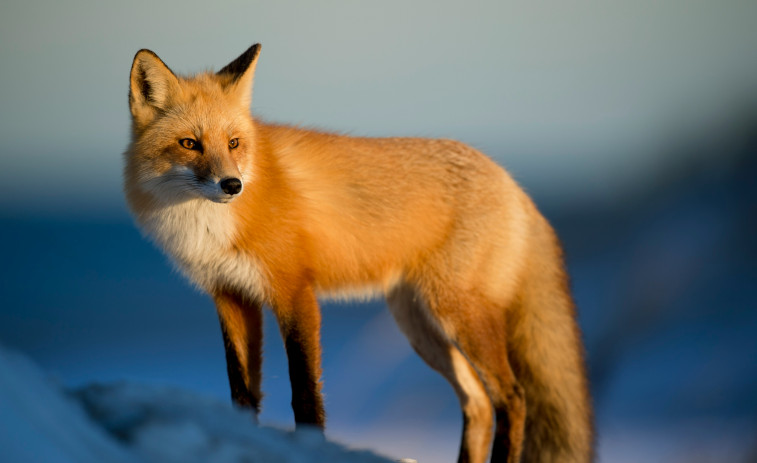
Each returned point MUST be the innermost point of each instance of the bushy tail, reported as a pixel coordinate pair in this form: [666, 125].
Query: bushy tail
[547, 356]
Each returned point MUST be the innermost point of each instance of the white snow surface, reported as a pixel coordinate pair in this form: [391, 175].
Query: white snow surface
[130, 423]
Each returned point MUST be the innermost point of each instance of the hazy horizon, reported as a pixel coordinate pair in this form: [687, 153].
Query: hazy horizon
[577, 101]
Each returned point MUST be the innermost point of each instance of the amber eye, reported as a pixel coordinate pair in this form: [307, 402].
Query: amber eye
[188, 143]
[233, 143]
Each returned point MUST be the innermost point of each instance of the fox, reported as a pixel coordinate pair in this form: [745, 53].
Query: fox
[262, 215]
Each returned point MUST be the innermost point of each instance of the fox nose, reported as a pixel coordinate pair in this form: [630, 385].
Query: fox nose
[231, 185]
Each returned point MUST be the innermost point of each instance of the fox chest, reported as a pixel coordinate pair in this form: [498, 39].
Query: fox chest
[199, 238]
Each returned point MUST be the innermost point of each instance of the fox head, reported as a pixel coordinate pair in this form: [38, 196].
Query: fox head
[192, 137]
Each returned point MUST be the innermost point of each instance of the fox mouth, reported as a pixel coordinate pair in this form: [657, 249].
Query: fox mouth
[181, 184]
[220, 191]
[213, 192]
[226, 199]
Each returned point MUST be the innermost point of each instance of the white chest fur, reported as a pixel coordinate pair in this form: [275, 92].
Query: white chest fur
[198, 236]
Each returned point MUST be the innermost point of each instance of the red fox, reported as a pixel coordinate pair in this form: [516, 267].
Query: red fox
[261, 214]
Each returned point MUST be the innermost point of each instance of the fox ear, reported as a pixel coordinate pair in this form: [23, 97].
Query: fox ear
[152, 86]
[239, 74]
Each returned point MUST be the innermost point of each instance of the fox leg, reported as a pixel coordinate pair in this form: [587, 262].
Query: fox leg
[241, 325]
[300, 322]
[477, 328]
[483, 344]
[440, 354]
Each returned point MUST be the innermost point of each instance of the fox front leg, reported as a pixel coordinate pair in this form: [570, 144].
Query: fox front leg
[241, 325]
[299, 320]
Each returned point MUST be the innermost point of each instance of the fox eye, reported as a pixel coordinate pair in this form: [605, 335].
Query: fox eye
[189, 144]
[233, 143]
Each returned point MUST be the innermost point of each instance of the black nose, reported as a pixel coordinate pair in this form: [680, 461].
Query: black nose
[231, 186]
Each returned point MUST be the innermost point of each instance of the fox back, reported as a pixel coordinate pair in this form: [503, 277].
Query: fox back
[258, 214]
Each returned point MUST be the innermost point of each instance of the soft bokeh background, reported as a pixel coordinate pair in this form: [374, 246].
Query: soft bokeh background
[633, 124]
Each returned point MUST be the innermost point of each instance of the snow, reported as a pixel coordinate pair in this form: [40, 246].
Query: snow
[40, 423]
[129, 423]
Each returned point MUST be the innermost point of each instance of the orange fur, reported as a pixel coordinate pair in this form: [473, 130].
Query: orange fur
[472, 272]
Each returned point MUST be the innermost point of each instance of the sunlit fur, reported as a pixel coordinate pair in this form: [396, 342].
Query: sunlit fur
[472, 272]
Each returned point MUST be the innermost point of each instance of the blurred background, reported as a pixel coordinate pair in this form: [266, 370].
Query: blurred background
[633, 125]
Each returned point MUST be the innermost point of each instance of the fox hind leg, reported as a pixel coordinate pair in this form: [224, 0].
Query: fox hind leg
[476, 327]
[439, 353]
[480, 334]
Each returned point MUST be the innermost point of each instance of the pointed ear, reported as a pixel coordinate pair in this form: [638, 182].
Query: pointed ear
[239, 74]
[151, 88]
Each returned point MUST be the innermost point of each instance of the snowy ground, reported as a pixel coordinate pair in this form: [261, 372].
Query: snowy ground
[130, 423]
[125, 422]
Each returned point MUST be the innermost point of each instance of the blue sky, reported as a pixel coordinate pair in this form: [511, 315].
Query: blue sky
[575, 98]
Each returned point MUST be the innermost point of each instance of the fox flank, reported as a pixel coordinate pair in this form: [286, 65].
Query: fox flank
[258, 214]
